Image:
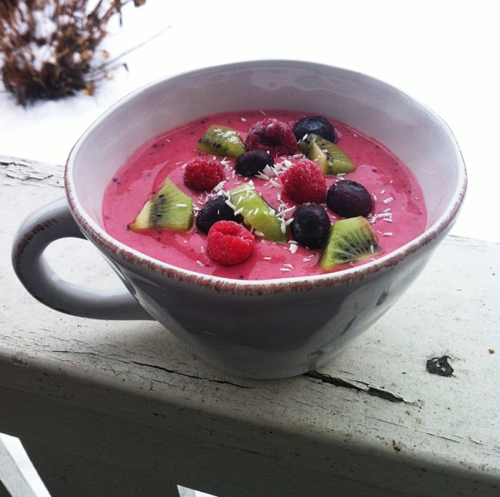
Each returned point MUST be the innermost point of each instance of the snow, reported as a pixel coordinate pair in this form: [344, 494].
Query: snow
[45, 26]
[418, 47]
[42, 54]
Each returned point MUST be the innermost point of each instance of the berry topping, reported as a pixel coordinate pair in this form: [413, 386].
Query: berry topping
[311, 226]
[229, 243]
[304, 182]
[317, 125]
[216, 209]
[253, 162]
[203, 173]
[349, 199]
[273, 136]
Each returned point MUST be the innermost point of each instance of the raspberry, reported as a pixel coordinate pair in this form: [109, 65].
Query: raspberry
[304, 182]
[229, 243]
[203, 174]
[273, 136]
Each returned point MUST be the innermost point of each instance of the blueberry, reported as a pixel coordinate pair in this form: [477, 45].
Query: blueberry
[349, 199]
[317, 125]
[214, 210]
[310, 226]
[252, 162]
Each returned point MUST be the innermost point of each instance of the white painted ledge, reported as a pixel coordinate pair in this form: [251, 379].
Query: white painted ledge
[17, 474]
[122, 408]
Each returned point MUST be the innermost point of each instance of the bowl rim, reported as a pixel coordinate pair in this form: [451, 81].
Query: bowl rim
[132, 258]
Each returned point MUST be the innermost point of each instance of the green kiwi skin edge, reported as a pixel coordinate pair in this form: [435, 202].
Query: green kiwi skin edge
[350, 240]
[169, 209]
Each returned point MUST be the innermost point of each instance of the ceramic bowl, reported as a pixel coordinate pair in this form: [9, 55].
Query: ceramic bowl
[257, 329]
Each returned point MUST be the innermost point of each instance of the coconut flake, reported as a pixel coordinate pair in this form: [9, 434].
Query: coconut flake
[263, 176]
[219, 186]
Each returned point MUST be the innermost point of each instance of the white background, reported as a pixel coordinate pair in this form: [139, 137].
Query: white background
[442, 52]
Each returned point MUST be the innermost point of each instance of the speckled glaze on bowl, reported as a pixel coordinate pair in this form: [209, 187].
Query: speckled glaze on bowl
[264, 329]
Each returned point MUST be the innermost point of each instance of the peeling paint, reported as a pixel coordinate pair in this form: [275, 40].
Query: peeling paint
[33, 172]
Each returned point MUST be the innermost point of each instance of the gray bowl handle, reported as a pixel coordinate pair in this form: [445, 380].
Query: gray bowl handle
[48, 224]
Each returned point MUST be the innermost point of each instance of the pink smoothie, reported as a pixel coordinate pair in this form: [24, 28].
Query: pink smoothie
[398, 215]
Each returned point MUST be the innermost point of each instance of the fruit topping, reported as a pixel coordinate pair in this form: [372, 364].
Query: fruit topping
[253, 162]
[349, 199]
[229, 243]
[331, 159]
[233, 220]
[257, 213]
[303, 182]
[316, 125]
[222, 141]
[203, 173]
[350, 240]
[273, 136]
[170, 209]
[310, 226]
[216, 209]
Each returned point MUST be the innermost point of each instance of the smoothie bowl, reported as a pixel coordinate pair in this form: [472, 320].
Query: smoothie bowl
[266, 213]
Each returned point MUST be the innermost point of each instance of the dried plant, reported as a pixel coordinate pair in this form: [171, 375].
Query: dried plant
[49, 47]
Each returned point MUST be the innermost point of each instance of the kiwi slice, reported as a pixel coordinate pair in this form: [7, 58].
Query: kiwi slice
[331, 159]
[169, 209]
[349, 240]
[222, 141]
[257, 213]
